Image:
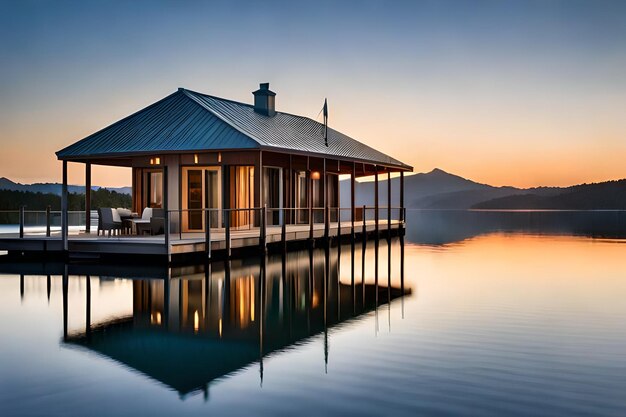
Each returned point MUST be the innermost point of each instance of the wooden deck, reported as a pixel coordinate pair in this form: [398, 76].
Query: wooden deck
[81, 244]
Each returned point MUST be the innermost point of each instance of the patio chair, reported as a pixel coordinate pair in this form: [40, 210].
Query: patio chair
[107, 220]
[157, 222]
[142, 225]
[126, 216]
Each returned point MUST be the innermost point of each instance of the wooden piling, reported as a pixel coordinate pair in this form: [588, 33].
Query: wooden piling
[48, 221]
[22, 221]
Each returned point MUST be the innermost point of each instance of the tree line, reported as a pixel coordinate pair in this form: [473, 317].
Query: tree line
[13, 200]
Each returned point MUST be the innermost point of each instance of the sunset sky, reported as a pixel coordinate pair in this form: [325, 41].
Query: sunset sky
[502, 92]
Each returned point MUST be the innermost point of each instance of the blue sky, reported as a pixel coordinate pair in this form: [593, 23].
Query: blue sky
[506, 92]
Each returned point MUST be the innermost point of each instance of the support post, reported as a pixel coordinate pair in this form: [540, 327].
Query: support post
[376, 201]
[402, 214]
[283, 231]
[22, 221]
[48, 221]
[166, 220]
[325, 202]
[227, 232]
[389, 207]
[352, 197]
[88, 197]
[207, 232]
[64, 216]
[263, 231]
[207, 220]
[290, 193]
[310, 207]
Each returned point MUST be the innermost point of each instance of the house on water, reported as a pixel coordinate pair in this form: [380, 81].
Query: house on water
[220, 170]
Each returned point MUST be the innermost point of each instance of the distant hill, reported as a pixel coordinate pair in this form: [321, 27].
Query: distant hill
[54, 188]
[610, 195]
[438, 189]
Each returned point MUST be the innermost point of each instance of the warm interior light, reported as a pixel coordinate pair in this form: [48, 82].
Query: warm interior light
[315, 175]
[195, 158]
[219, 157]
[151, 161]
[157, 161]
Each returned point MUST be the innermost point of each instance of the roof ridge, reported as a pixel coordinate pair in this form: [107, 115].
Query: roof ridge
[200, 96]
[244, 104]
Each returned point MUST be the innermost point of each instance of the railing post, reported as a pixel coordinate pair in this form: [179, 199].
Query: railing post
[283, 231]
[227, 232]
[402, 212]
[48, 221]
[166, 221]
[64, 207]
[376, 202]
[166, 226]
[207, 233]
[364, 225]
[311, 224]
[263, 231]
[326, 221]
[389, 209]
[22, 221]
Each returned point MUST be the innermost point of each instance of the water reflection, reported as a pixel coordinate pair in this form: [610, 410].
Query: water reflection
[439, 227]
[201, 323]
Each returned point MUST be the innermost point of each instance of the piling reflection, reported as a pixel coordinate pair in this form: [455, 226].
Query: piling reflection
[204, 322]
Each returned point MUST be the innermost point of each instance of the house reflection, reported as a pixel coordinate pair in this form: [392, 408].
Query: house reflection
[206, 322]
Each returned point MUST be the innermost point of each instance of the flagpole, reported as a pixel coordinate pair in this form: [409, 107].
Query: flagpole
[326, 122]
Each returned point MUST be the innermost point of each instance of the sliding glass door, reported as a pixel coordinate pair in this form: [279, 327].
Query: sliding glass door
[241, 194]
[200, 190]
[273, 194]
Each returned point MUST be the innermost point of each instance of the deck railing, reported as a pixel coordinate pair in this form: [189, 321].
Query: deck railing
[253, 222]
[47, 222]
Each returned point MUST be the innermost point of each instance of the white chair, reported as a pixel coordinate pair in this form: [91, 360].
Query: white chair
[142, 225]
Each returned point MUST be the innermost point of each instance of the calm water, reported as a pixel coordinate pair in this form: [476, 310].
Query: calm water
[503, 314]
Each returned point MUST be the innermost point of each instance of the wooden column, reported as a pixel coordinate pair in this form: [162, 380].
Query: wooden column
[207, 220]
[376, 201]
[310, 182]
[166, 220]
[352, 197]
[258, 189]
[325, 201]
[402, 219]
[388, 206]
[88, 197]
[64, 216]
[291, 188]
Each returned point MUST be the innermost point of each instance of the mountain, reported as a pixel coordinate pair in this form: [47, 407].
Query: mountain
[610, 195]
[54, 188]
[436, 189]
[439, 189]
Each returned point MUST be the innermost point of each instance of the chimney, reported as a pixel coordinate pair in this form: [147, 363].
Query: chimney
[264, 100]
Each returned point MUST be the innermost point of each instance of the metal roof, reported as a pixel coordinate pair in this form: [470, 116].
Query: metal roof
[191, 121]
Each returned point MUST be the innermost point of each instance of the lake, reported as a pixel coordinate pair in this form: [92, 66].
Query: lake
[474, 313]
